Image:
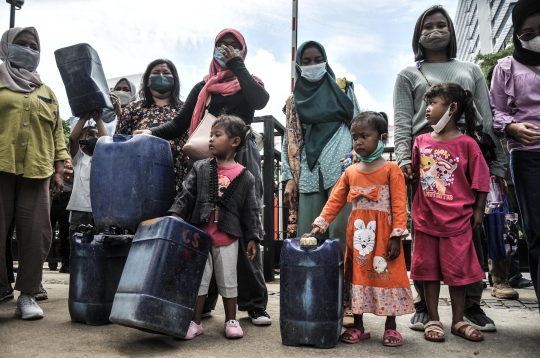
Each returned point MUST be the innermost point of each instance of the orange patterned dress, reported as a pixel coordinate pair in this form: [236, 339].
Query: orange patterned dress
[372, 283]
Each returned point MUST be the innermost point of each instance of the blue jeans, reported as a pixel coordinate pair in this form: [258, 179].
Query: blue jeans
[525, 168]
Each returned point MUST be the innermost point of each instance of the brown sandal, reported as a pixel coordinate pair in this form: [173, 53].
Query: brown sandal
[433, 326]
[468, 332]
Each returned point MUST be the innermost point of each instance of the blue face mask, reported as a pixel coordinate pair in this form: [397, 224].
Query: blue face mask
[218, 56]
[23, 57]
[376, 154]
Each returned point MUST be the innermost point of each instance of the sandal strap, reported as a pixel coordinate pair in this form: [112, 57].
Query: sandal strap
[469, 329]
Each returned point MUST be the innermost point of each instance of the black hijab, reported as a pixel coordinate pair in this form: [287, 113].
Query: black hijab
[522, 10]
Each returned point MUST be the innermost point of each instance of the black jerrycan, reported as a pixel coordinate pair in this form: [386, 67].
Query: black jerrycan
[83, 77]
[311, 292]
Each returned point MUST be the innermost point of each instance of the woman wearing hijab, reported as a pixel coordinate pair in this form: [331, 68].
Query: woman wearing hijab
[434, 46]
[317, 117]
[123, 93]
[233, 90]
[160, 103]
[32, 154]
[515, 95]
[318, 113]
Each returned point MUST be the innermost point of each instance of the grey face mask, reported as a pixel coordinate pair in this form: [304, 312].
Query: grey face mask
[124, 97]
[23, 57]
[435, 40]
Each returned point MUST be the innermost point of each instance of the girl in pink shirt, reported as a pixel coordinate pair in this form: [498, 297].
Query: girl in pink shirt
[449, 204]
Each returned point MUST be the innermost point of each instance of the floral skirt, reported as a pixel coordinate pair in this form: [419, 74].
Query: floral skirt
[378, 300]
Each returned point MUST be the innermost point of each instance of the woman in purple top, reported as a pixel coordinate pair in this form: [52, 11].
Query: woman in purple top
[515, 100]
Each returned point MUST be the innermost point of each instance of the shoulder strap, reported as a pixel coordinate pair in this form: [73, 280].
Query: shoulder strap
[429, 83]
[534, 69]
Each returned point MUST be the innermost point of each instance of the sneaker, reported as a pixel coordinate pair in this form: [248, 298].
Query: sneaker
[41, 294]
[6, 296]
[194, 330]
[502, 289]
[27, 307]
[206, 314]
[478, 319]
[259, 317]
[233, 329]
[521, 282]
[420, 317]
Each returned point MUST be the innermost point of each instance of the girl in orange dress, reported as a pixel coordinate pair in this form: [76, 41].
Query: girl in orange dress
[375, 273]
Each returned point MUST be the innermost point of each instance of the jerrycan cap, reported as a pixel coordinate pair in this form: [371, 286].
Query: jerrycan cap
[308, 241]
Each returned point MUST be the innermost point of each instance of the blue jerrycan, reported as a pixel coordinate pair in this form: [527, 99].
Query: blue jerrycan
[311, 293]
[161, 279]
[83, 77]
[131, 180]
[96, 266]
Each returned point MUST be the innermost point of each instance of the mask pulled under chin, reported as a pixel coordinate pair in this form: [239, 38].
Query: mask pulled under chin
[437, 128]
[23, 57]
[532, 45]
[313, 73]
[435, 40]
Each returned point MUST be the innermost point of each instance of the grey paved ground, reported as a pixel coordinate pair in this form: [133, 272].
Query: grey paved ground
[518, 334]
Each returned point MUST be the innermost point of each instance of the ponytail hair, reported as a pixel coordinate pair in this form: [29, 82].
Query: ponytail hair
[453, 92]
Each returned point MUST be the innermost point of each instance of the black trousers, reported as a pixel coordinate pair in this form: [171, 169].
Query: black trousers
[9, 254]
[61, 215]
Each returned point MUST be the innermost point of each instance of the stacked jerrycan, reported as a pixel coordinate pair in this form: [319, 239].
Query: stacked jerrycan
[311, 292]
[97, 262]
[131, 180]
[83, 77]
[161, 279]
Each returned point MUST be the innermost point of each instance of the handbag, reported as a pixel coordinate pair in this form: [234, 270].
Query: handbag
[502, 232]
[197, 146]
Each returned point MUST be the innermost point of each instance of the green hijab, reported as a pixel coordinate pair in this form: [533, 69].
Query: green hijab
[321, 106]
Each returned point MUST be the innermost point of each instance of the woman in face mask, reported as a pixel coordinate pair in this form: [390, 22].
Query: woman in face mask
[434, 45]
[515, 95]
[317, 117]
[123, 93]
[160, 103]
[32, 154]
[232, 90]
[318, 113]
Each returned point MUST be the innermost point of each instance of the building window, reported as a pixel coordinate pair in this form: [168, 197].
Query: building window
[497, 12]
[474, 31]
[503, 23]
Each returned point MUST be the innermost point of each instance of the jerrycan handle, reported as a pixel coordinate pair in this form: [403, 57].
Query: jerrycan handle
[121, 138]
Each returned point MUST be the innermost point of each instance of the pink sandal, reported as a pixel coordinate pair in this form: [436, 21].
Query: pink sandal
[355, 335]
[194, 330]
[392, 333]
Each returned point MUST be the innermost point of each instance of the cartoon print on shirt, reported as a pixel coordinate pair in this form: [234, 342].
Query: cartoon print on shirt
[364, 240]
[223, 183]
[436, 172]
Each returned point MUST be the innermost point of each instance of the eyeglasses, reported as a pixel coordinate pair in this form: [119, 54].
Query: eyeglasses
[528, 36]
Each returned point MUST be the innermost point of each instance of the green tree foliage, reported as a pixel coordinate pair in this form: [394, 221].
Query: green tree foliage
[66, 125]
[488, 60]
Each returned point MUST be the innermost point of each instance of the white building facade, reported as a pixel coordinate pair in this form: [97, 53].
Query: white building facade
[483, 26]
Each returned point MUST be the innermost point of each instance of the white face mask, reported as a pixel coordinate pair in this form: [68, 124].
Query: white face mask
[313, 73]
[442, 122]
[533, 45]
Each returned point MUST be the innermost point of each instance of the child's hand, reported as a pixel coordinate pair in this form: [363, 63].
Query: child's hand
[313, 232]
[97, 115]
[251, 249]
[477, 218]
[394, 248]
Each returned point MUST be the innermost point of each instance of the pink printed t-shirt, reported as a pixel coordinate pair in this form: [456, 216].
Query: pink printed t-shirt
[448, 171]
[225, 176]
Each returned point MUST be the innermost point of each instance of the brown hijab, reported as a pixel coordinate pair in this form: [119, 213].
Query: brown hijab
[17, 79]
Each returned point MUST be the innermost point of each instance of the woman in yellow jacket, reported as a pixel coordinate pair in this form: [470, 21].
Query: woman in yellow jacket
[32, 152]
